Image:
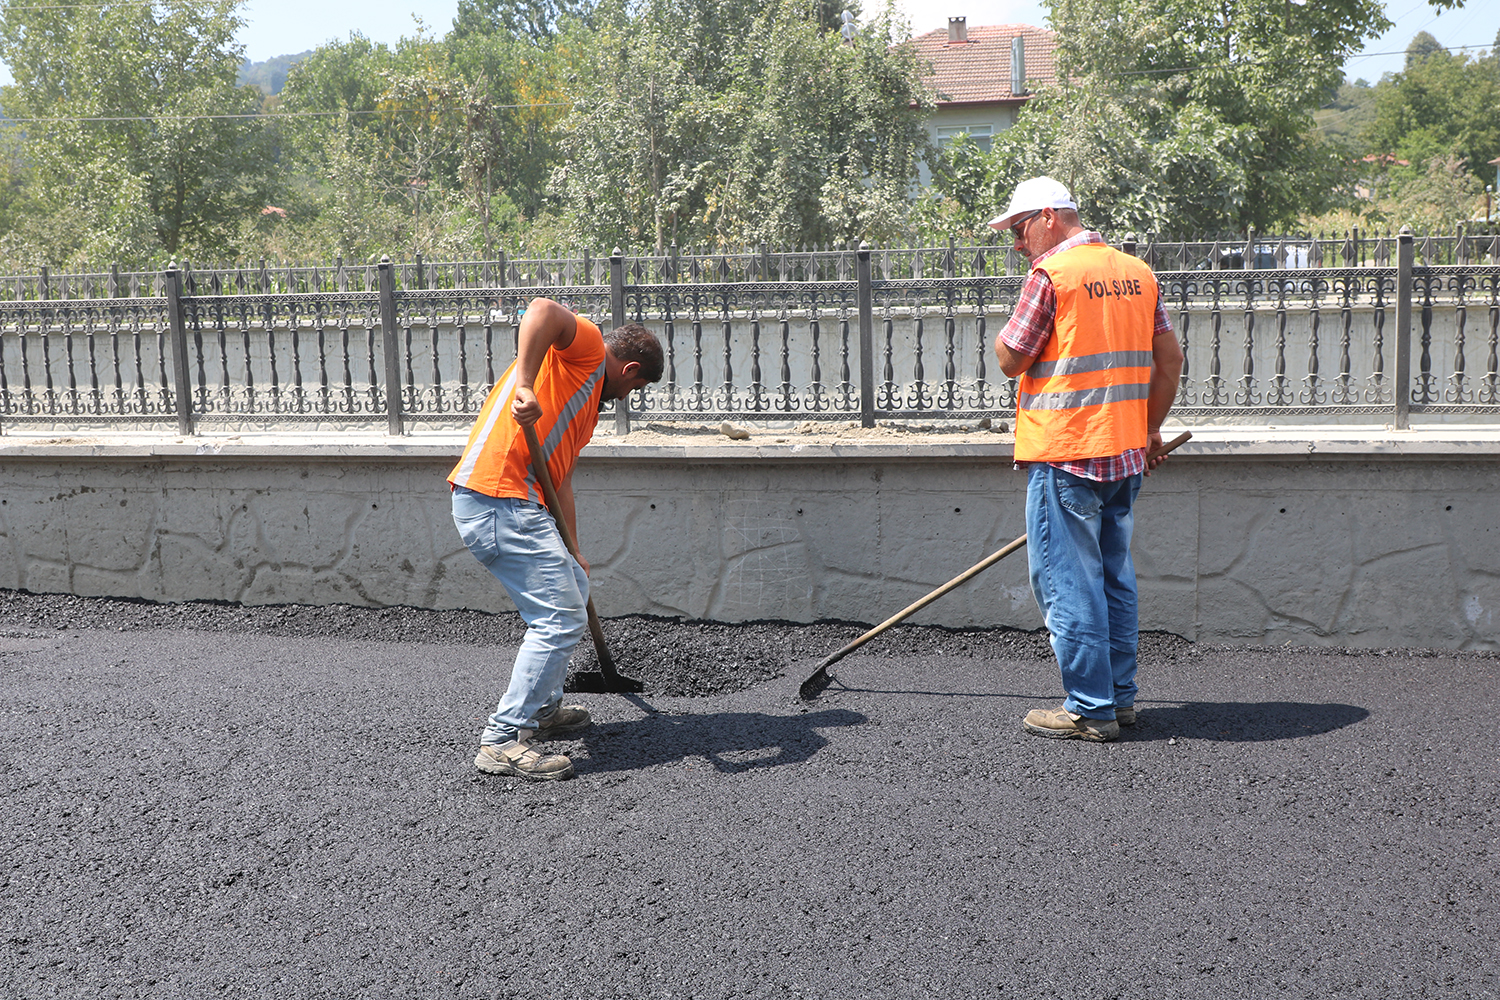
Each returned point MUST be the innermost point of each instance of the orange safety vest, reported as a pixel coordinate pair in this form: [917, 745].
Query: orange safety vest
[569, 386]
[1085, 395]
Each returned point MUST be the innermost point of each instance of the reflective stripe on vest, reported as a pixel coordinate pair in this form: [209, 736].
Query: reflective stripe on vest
[574, 406]
[1085, 395]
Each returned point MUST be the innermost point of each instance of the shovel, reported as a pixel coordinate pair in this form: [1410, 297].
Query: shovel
[609, 678]
[821, 678]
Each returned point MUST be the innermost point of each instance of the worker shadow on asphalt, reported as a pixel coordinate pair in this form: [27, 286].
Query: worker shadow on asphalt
[1240, 721]
[730, 742]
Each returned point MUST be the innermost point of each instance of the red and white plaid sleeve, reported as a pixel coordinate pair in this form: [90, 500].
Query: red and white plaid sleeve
[1030, 325]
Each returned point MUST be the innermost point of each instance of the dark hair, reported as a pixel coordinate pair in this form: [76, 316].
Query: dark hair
[633, 342]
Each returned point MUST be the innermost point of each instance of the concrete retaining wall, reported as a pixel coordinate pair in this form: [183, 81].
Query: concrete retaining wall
[1359, 537]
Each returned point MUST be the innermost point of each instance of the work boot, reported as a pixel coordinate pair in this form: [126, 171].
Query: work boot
[519, 759]
[1125, 715]
[1060, 724]
[562, 722]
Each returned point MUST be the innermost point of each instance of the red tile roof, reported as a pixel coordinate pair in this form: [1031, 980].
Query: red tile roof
[978, 71]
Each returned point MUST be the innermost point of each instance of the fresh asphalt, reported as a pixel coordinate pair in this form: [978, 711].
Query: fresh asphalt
[205, 801]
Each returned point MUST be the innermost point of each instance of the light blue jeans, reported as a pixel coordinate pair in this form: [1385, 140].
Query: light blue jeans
[518, 542]
[1078, 544]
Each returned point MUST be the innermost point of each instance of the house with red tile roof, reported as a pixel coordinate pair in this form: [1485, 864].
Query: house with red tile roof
[983, 76]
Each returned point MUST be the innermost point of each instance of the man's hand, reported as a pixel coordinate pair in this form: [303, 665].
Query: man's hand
[1153, 443]
[524, 407]
[582, 562]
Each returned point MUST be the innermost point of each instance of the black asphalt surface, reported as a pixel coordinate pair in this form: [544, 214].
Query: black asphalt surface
[206, 801]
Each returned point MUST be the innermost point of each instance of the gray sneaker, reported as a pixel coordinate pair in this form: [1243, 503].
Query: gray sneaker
[562, 722]
[519, 759]
[1125, 715]
[1060, 724]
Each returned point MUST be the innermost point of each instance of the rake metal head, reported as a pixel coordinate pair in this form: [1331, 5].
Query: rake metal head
[816, 684]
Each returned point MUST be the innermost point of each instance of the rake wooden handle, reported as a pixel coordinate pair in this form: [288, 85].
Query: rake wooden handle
[820, 677]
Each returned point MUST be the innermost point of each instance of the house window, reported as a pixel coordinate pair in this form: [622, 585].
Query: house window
[980, 133]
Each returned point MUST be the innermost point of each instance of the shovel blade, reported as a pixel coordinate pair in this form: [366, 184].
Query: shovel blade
[597, 682]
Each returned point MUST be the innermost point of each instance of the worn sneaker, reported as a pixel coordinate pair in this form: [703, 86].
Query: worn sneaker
[1060, 724]
[518, 759]
[1125, 716]
[562, 722]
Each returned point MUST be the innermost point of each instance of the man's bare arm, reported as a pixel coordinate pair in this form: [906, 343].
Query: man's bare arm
[1166, 370]
[1012, 363]
[545, 325]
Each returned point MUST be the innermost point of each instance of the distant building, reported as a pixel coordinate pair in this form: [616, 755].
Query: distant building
[983, 75]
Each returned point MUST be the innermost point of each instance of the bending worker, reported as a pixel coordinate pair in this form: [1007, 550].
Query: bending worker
[1099, 366]
[564, 371]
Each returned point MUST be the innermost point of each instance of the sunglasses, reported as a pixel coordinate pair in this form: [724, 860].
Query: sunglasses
[1018, 228]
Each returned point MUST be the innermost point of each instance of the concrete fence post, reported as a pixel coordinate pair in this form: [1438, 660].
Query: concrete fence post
[617, 316]
[391, 346]
[182, 386]
[1401, 389]
[865, 298]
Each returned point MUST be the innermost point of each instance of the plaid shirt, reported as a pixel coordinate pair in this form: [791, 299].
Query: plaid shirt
[1029, 329]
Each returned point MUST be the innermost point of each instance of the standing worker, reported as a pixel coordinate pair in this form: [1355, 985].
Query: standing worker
[1099, 366]
[564, 371]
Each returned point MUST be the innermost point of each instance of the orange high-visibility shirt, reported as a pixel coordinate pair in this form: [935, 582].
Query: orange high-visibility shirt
[1085, 395]
[569, 387]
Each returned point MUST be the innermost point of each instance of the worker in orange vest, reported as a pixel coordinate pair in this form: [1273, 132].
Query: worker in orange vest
[564, 371]
[1098, 366]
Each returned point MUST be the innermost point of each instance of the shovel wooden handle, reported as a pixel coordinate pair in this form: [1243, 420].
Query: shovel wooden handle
[539, 469]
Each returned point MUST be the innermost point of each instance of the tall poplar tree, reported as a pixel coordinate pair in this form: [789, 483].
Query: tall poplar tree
[129, 117]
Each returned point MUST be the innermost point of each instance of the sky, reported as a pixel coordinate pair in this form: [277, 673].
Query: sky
[284, 27]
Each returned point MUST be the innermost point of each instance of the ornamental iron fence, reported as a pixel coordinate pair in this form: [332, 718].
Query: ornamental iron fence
[1271, 328]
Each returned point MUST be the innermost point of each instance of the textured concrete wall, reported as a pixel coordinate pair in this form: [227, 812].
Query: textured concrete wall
[1369, 539]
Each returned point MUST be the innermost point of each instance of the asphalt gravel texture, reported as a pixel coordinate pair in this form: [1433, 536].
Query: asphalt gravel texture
[208, 800]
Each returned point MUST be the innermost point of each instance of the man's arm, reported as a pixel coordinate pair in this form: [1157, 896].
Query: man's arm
[545, 325]
[1166, 371]
[1030, 326]
[1012, 363]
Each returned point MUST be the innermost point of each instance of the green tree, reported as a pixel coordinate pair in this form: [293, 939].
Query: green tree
[1421, 46]
[127, 116]
[537, 20]
[1219, 102]
[1441, 105]
[1344, 119]
[460, 134]
[788, 135]
[1176, 116]
[515, 96]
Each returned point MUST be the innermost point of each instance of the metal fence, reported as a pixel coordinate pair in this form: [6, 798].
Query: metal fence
[1273, 330]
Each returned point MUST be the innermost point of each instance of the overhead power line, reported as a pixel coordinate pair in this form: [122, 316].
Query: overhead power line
[77, 6]
[546, 104]
[1402, 52]
[272, 116]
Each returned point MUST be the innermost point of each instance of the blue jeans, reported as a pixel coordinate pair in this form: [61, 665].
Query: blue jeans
[1078, 544]
[518, 542]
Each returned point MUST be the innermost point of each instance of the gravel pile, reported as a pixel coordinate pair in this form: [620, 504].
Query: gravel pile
[669, 655]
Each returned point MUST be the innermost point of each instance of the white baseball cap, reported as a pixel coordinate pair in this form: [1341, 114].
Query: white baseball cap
[1033, 196]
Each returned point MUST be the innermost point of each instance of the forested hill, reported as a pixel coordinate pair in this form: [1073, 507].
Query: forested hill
[270, 74]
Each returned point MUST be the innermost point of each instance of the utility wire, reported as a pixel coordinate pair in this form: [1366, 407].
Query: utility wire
[271, 116]
[547, 104]
[77, 6]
